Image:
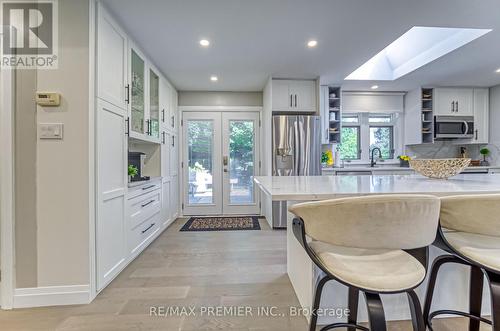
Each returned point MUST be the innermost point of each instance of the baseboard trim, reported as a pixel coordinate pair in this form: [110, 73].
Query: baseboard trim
[51, 296]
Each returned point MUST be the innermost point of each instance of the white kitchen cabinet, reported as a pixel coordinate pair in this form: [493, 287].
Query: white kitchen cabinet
[481, 115]
[174, 197]
[165, 206]
[112, 65]
[144, 216]
[453, 101]
[294, 95]
[174, 155]
[165, 103]
[174, 113]
[111, 188]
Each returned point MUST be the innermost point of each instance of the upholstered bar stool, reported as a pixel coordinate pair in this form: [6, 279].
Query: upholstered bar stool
[376, 245]
[470, 232]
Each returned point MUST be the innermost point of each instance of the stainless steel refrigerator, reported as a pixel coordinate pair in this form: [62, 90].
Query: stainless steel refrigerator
[296, 152]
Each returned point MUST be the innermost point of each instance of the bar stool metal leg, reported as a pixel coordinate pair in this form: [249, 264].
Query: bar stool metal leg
[475, 296]
[494, 282]
[436, 265]
[417, 318]
[352, 303]
[376, 316]
[317, 300]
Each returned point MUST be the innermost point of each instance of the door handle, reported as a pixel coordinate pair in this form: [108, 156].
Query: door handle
[163, 137]
[225, 162]
[453, 106]
[456, 104]
[173, 141]
[466, 127]
[476, 134]
[295, 100]
[172, 119]
[148, 130]
[291, 101]
[127, 94]
[127, 126]
[163, 115]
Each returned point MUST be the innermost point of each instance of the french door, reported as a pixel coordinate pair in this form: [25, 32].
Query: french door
[220, 159]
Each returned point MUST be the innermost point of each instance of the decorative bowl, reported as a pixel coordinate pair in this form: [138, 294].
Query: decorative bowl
[439, 168]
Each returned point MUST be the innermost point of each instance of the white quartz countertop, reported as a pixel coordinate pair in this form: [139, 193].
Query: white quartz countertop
[303, 188]
[391, 168]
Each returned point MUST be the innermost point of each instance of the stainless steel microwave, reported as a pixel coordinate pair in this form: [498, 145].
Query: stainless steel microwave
[453, 127]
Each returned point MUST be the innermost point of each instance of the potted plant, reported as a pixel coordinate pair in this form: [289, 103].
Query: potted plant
[324, 159]
[404, 161]
[484, 152]
[132, 172]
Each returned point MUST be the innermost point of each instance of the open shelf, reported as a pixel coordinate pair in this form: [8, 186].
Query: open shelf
[334, 114]
[427, 117]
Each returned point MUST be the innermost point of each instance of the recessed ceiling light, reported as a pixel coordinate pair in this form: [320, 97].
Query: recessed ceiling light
[417, 47]
[498, 70]
[214, 78]
[312, 43]
[204, 43]
[374, 87]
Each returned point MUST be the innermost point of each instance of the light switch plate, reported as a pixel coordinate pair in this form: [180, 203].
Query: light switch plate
[51, 130]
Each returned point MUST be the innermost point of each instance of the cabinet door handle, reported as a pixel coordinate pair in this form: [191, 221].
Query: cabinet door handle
[456, 104]
[163, 137]
[173, 141]
[291, 101]
[127, 94]
[295, 100]
[147, 203]
[127, 126]
[149, 227]
[476, 134]
[453, 106]
[148, 187]
[163, 115]
[172, 121]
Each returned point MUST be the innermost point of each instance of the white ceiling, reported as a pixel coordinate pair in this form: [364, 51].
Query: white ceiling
[254, 39]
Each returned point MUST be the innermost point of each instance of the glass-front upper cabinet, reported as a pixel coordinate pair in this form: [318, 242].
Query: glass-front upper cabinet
[154, 104]
[137, 93]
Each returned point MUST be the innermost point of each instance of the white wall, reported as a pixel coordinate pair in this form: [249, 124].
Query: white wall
[63, 166]
[25, 179]
[199, 98]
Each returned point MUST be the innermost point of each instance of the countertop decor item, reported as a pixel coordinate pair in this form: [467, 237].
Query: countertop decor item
[439, 168]
[132, 171]
[484, 152]
[404, 161]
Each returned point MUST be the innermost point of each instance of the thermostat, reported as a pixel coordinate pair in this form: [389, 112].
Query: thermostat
[48, 99]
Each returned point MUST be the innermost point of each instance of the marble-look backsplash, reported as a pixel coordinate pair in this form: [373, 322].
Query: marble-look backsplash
[446, 149]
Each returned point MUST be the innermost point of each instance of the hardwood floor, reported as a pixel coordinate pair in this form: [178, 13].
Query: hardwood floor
[185, 269]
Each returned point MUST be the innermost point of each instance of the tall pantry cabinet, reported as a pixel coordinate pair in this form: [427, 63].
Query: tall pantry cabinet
[133, 101]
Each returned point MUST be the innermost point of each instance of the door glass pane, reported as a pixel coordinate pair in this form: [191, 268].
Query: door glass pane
[154, 103]
[382, 137]
[200, 161]
[241, 162]
[137, 93]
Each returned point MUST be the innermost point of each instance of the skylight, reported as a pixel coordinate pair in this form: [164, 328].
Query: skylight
[414, 49]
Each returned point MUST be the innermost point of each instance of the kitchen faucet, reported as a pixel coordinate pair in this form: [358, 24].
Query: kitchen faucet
[372, 157]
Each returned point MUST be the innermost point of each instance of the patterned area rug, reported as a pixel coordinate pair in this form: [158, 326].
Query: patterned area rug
[221, 223]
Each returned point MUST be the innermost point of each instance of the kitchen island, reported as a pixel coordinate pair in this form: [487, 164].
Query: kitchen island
[452, 285]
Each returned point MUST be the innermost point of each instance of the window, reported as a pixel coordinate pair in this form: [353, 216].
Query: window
[350, 147]
[361, 132]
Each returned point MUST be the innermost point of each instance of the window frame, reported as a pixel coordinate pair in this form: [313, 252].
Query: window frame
[364, 126]
[392, 150]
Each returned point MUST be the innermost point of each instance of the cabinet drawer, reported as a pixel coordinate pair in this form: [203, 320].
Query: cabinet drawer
[142, 233]
[143, 207]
